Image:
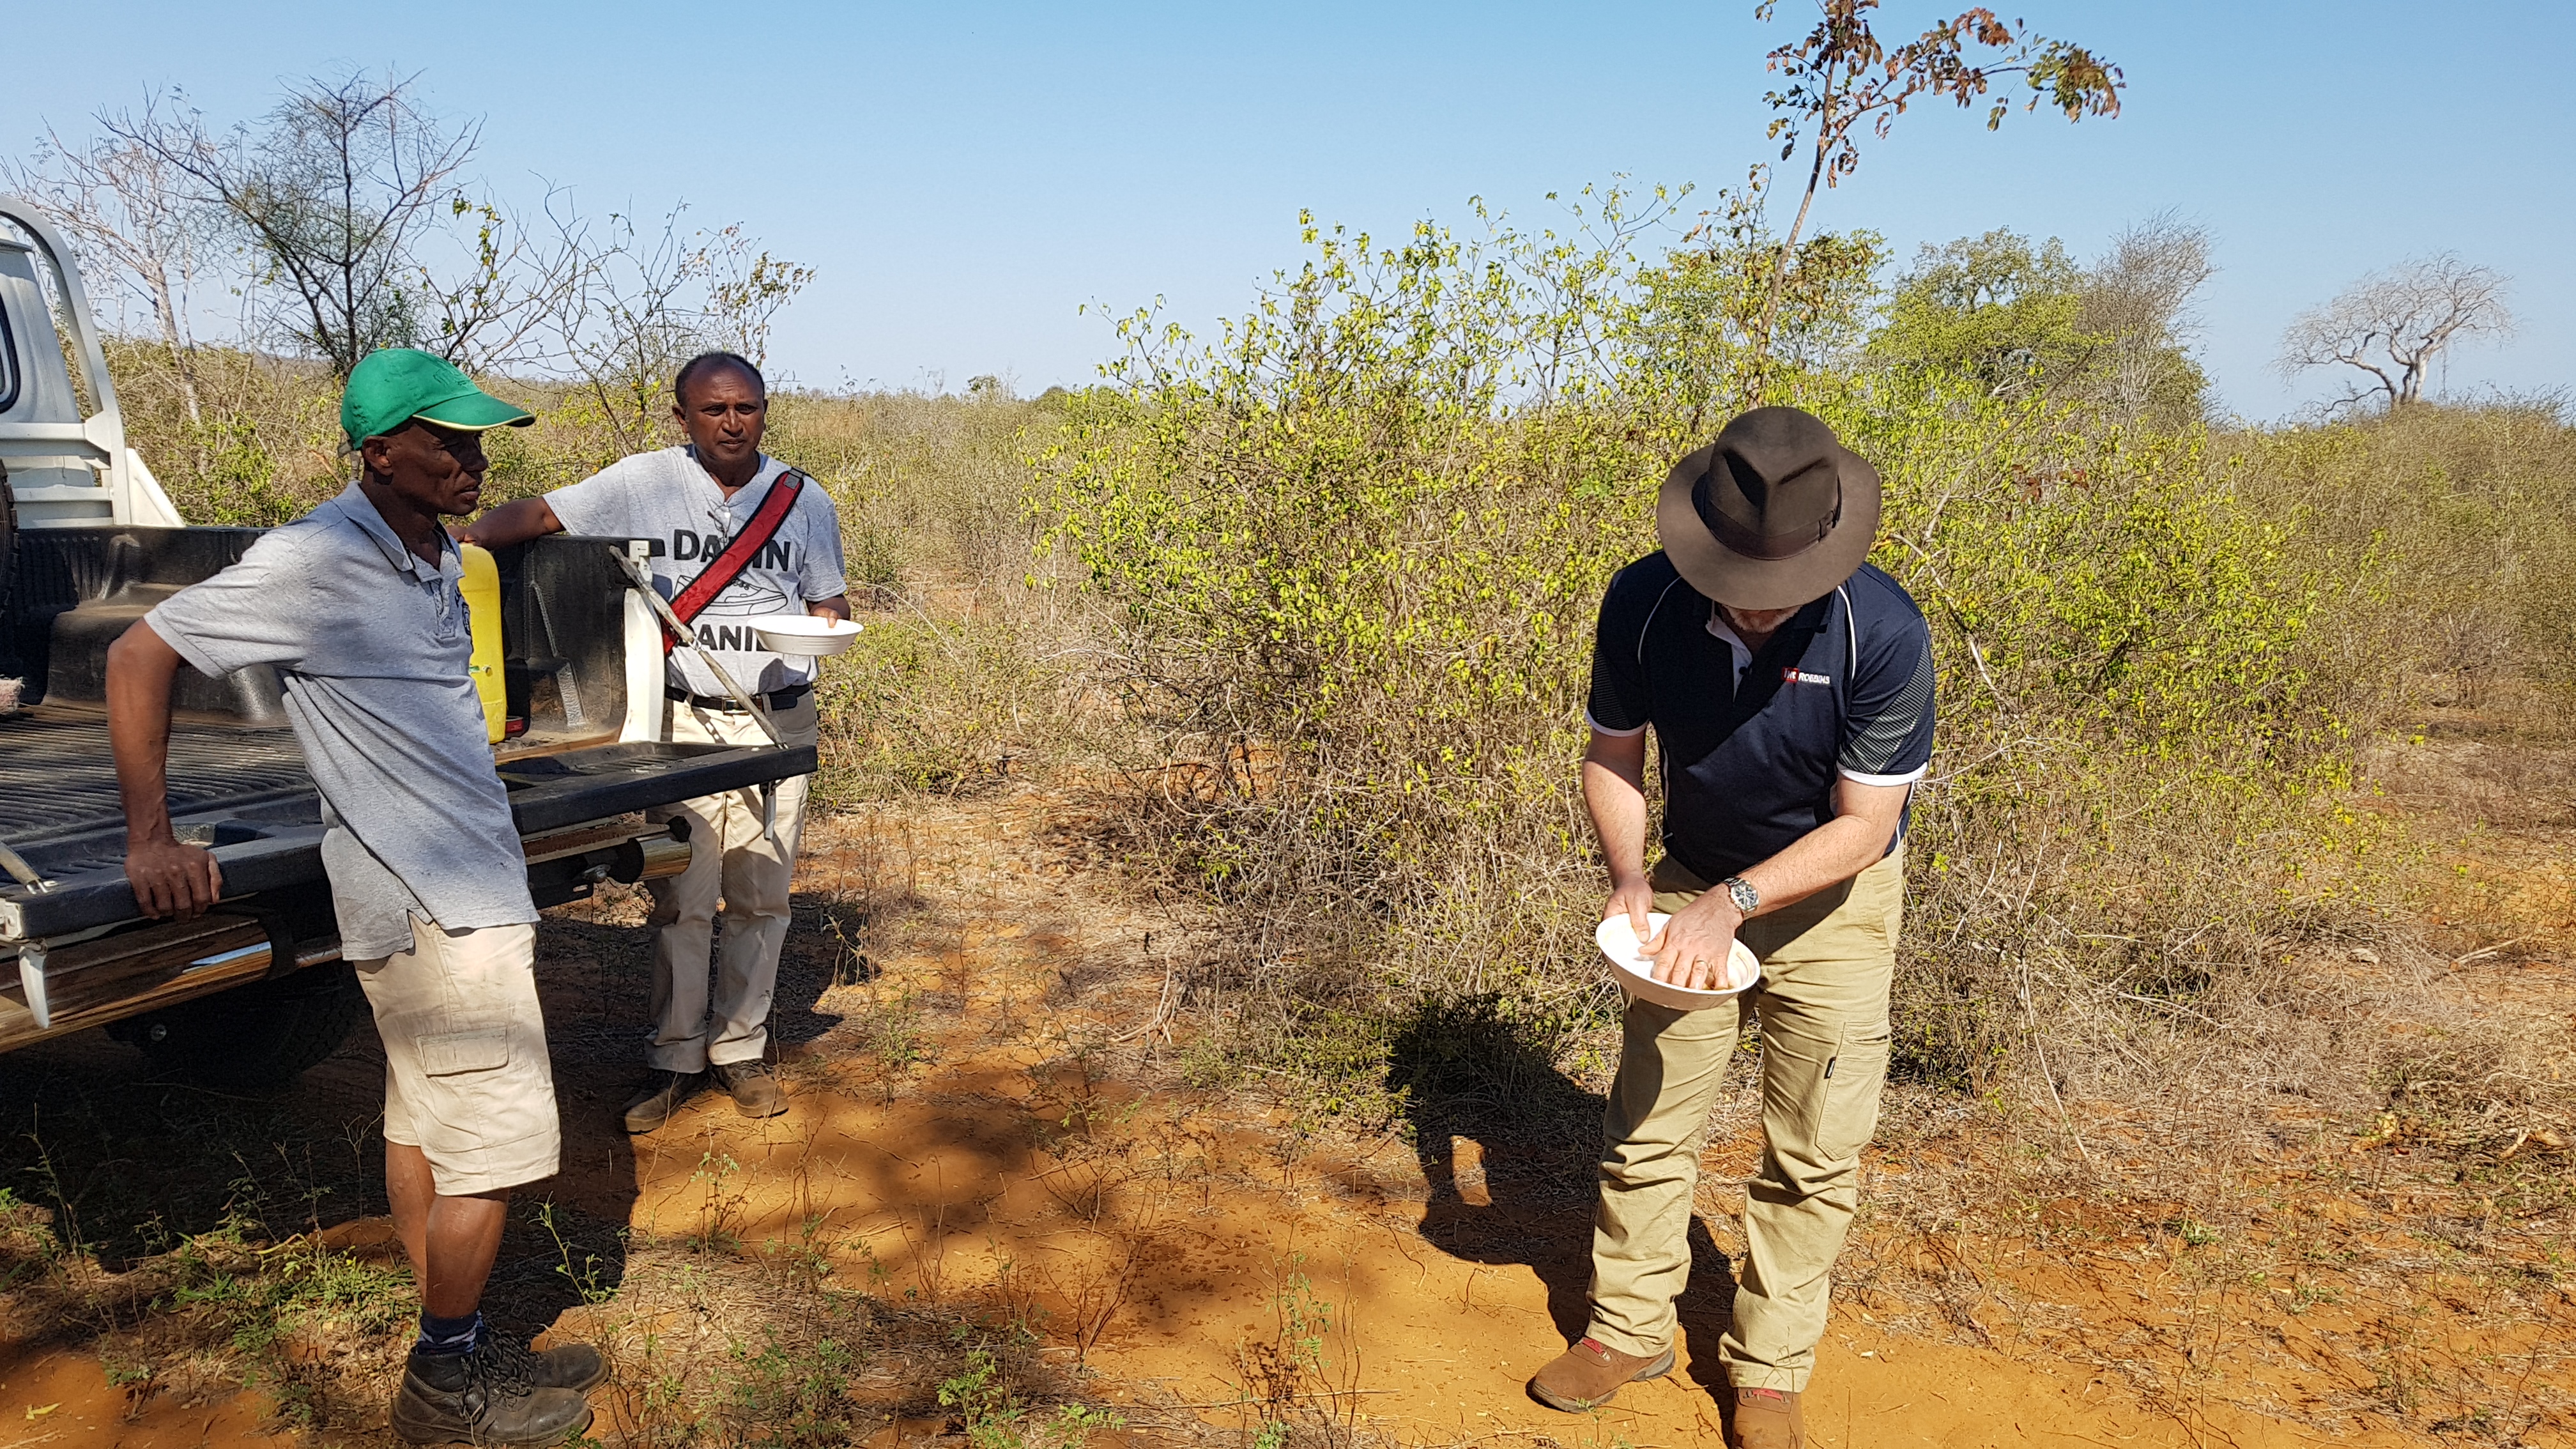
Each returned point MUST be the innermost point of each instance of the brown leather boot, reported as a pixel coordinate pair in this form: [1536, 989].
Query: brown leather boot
[1588, 1373]
[1767, 1419]
[754, 1085]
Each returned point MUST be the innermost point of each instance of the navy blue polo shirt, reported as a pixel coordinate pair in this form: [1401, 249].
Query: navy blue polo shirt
[1751, 743]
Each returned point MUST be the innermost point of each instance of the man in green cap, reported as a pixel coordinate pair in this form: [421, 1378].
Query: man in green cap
[357, 607]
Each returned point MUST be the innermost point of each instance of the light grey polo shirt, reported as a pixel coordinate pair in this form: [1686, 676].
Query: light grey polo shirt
[667, 496]
[372, 646]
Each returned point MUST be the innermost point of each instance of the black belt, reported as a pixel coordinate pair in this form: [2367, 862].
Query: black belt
[723, 704]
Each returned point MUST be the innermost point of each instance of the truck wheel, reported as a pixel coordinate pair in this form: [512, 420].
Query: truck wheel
[260, 1035]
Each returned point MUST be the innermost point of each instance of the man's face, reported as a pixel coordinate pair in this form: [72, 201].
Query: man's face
[723, 412]
[1759, 621]
[439, 470]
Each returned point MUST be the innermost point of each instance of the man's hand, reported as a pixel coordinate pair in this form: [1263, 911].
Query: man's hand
[1691, 950]
[1630, 896]
[172, 880]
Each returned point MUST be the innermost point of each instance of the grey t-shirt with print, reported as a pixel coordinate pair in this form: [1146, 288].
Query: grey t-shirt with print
[668, 497]
[371, 645]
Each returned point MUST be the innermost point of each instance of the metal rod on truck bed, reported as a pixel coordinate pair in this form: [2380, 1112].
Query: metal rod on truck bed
[25, 874]
[644, 584]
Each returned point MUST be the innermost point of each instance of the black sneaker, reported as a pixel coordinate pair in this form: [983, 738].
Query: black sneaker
[575, 1366]
[754, 1085]
[662, 1095]
[485, 1397]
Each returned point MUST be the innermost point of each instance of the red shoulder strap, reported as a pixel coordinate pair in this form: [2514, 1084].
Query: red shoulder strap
[718, 576]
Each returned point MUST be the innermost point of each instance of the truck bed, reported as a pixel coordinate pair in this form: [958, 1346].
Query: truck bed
[58, 801]
[245, 794]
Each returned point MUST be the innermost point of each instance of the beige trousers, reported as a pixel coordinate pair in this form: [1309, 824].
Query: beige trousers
[1822, 1004]
[467, 1079]
[732, 860]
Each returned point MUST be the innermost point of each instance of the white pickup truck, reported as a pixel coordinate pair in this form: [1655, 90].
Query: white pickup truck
[255, 991]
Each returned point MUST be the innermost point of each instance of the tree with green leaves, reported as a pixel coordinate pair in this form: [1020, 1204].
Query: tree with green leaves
[1840, 76]
[1997, 308]
[2021, 318]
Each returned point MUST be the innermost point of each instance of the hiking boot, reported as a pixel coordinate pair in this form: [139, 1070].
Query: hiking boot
[662, 1095]
[754, 1085]
[483, 1397]
[1767, 1419]
[575, 1366]
[1588, 1373]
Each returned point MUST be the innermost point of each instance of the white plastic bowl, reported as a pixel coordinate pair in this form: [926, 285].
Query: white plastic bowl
[1634, 970]
[806, 634]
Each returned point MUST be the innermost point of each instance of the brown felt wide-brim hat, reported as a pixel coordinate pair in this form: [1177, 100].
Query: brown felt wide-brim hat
[1802, 509]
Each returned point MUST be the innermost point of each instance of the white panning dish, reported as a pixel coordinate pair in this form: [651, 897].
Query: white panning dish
[807, 634]
[1635, 970]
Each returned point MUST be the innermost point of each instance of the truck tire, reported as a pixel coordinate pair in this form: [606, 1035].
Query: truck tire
[261, 1035]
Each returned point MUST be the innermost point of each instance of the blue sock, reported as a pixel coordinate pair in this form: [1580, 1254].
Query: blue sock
[448, 1337]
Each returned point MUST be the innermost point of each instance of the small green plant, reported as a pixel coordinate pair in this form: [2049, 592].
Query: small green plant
[587, 1277]
[987, 1410]
[1292, 1378]
[720, 1204]
[791, 1392]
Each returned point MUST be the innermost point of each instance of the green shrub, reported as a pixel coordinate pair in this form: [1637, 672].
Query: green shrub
[1356, 544]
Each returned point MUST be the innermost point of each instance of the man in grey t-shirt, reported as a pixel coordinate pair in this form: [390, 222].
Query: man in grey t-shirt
[356, 606]
[693, 501]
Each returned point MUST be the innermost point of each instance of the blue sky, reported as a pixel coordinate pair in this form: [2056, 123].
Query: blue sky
[964, 177]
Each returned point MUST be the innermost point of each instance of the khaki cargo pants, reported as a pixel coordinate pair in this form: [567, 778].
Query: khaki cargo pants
[467, 1078]
[732, 860]
[1826, 964]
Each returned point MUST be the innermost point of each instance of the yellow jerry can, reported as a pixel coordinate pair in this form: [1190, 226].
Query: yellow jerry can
[482, 588]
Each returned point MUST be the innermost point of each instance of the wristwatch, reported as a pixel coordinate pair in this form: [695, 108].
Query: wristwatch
[1741, 891]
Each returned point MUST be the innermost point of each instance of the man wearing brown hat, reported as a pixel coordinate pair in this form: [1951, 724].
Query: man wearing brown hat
[1789, 686]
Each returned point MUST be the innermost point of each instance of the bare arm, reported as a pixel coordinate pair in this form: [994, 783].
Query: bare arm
[836, 608]
[517, 521]
[1614, 793]
[1855, 839]
[1693, 948]
[169, 879]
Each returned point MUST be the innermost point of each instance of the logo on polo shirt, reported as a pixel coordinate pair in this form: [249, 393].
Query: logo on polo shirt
[1800, 676]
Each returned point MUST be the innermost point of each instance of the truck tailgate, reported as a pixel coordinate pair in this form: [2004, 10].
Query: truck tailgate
[245, 794]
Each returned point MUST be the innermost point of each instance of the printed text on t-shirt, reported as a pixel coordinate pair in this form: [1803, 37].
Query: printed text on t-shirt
[687, 547]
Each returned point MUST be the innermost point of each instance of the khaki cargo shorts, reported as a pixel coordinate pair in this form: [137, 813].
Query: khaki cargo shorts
[467, 1080]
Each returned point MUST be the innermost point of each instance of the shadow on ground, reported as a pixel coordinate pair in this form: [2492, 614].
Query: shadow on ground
[1510, 1148]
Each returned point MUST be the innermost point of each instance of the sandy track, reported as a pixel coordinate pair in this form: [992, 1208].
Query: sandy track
[994, 1115]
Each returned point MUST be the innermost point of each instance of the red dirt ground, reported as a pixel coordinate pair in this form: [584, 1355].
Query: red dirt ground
[995, 1114]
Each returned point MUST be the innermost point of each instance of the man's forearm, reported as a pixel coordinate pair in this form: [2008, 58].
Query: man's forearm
[140, 666]
[514, 522]
[1826, 856]
[1865, 820]
[1617, 805]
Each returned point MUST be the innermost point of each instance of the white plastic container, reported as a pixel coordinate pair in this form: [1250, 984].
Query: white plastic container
[1634, 970]
[807, 634]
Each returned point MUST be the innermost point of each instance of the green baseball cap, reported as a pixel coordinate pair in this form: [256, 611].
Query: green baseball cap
[388, 389]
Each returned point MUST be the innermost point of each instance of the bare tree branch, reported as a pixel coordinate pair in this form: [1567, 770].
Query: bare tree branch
[334, 192]
[2394, 325]
[123, 205]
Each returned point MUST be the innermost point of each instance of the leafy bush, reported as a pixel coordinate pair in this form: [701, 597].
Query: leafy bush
[1356, 543]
